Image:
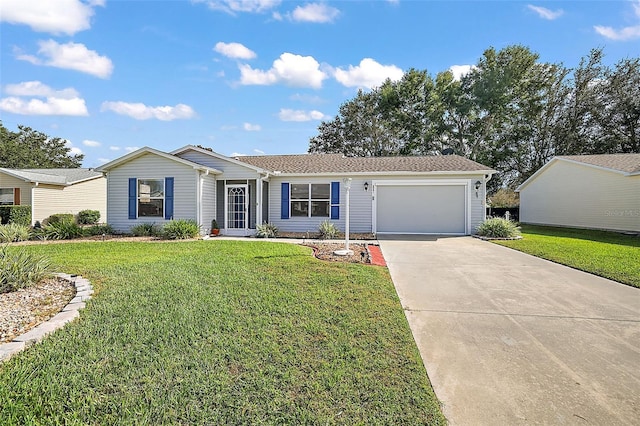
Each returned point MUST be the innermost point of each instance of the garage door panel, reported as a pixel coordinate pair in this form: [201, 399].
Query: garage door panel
[421, 209]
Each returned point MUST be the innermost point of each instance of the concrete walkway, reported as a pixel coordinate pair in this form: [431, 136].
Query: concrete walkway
[511, 339]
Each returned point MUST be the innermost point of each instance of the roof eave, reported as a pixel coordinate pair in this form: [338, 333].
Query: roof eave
[146, 150]
[389, 173]
[218, 156]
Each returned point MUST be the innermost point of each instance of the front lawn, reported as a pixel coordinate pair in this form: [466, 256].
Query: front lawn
[221, 332]
[607, 254]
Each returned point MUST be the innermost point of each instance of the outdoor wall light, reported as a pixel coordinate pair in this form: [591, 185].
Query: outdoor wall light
[366, 186]
[478, 185]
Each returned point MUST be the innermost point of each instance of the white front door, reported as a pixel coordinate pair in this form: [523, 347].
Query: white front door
[236, 213]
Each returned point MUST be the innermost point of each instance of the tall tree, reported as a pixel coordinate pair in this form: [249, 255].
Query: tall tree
[28, 148]
[621, 117]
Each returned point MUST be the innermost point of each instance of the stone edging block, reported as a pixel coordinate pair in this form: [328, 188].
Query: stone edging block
[71, 311]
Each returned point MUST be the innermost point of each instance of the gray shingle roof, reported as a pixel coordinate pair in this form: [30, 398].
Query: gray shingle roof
[337, 163]
[54, 176]
[627, 163]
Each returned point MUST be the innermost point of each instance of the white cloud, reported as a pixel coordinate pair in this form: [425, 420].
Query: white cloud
[131, 148]
[289, 69]
[114, 148]
[299, 115]
[368, 74]
[73, 56]
[234, 50]
[50, 106]
[233, 6]
[460, 71]
[73, 150]
[140, 111]
[545, 13]
[251, 127]
[306, 98]
[237, 154]
[50, 16]
[622, 34]
[37, 88]
[318, 13]
[258, 151]
[91, 143]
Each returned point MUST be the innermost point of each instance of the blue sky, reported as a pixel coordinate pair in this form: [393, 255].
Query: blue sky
[256, 76]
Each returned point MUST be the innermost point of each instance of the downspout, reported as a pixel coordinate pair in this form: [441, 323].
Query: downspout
[33, 206]
[486, 179]
[259, 195]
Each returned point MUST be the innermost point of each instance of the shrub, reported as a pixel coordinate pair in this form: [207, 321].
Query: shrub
[59, 217]
[105, 229]
[20, 269]
[61, 230]
[328, 230]
[88, 217]
[16, 214]
[505, 197]
[13, 232]
[146, 230]
[266, 230]
[498, 227]
[181, 229]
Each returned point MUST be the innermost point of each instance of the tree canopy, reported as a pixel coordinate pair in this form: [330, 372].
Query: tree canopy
[511, 112]
[28, 148]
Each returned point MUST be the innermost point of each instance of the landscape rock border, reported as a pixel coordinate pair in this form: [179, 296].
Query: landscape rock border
[71, 311]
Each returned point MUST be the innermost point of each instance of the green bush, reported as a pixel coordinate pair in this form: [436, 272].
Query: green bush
[88, 217]
[59, 217]
[266, 230]
[20, 269]
[16, 214]
[181, 229]
[61, 230]
[498, 227]
[328, 230]
[105, 229]
[13, 232]
[146, 230]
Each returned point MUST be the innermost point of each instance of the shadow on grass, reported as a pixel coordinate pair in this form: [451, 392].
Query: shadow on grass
[584, 234]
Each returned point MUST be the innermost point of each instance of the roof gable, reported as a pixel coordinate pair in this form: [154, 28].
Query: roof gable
[146, 150]
[624, 164]
[216, 155]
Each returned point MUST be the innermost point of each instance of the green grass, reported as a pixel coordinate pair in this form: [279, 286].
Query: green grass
[607, 254]
[221, 332]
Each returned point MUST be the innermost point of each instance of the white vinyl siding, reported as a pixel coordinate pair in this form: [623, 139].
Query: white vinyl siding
[25, 187]
[582, 196]
[87, 195]
[150, 166]
[208, 202]
[231, 170]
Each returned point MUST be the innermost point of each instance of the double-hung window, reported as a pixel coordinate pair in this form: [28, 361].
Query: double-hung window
[150, 197]
[310, 199]
[6, 196]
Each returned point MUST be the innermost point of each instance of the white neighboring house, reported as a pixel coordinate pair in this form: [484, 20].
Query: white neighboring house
[409, 195]
[584, 191]
[51, 191]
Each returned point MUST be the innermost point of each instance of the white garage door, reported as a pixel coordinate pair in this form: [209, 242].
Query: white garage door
[420, 209]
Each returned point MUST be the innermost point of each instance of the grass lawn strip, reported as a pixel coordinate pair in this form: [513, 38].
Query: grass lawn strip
[607, 254]
[222, 332]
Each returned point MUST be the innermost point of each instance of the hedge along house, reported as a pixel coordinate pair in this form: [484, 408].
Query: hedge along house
[584, 191]
[413, 195]
[51, 191]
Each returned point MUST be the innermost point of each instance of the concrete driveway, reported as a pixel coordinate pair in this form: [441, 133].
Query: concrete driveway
[509, 339]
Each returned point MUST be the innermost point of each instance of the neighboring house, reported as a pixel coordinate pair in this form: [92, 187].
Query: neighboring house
[51, 191]
[584, 191]
[417, 195]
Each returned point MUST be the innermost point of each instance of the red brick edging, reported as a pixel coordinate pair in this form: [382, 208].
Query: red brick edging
[375, 255]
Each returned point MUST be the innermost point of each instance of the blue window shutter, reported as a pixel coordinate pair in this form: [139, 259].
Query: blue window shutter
[284, 205]
[133, 193]
[335, 200]
[168, 198]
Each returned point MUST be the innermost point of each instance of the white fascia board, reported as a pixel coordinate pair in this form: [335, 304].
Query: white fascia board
[146, 150]
[382, 174]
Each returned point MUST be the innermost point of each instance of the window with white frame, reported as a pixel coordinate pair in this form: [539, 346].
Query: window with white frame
[6, 196]
[310, 199]
[150, 197]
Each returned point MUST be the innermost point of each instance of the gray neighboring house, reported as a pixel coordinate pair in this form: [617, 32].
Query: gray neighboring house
[584, 191]
[51, 191]
[412, 195]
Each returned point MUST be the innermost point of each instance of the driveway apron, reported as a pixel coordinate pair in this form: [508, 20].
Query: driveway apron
[508, 338]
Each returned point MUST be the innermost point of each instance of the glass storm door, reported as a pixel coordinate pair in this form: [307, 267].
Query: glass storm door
[236, 207]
